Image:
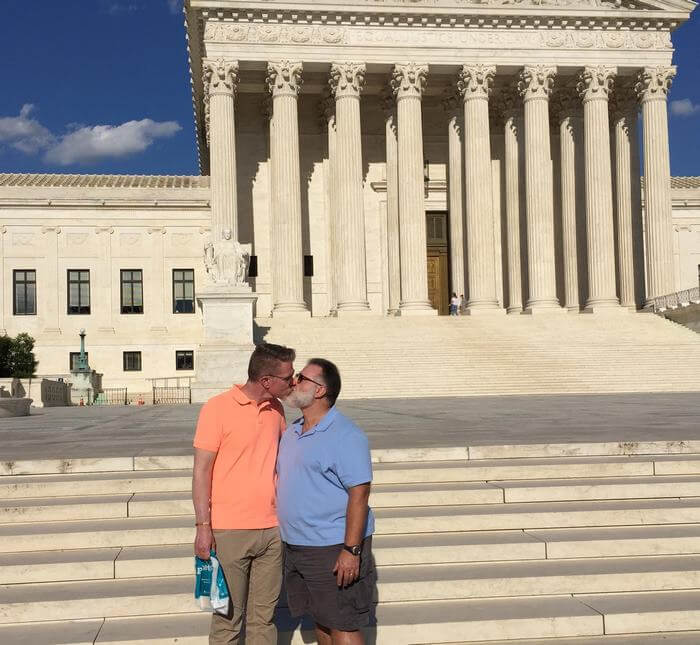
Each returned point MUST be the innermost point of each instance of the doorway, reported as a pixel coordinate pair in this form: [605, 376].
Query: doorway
[438, 261]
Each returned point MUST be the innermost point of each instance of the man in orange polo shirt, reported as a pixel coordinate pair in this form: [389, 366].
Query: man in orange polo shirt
[235, 452]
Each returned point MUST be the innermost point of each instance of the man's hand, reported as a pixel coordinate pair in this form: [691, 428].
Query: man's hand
[347, 568]
[204, 542]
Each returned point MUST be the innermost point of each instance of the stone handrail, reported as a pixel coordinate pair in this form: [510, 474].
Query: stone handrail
[674, 300]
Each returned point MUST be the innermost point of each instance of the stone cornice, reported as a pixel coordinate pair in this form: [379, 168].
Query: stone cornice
[103, 181]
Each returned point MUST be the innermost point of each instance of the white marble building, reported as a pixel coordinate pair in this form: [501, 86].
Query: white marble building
[376, 157]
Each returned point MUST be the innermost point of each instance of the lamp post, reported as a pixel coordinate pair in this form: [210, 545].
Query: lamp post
[82, 365]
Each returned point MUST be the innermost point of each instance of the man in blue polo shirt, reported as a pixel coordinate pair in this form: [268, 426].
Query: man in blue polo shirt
[324, 477]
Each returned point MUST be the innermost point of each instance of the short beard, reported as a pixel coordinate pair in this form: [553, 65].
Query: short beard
[298, 399]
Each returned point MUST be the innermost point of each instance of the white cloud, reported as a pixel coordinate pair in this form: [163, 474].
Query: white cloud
[175, 6]
[25, 133]
[684, 107]
[92, 143]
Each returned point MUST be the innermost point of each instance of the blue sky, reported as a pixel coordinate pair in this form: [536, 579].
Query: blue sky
[102, 86]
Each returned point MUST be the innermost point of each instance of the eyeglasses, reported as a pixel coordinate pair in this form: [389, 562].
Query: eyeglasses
[289, 378]
[301, 378]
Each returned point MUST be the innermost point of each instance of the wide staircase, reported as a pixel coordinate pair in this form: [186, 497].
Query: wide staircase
[579, 544]
[497, 354]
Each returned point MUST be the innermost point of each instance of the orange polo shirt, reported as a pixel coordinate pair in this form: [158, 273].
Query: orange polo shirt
[245, 435]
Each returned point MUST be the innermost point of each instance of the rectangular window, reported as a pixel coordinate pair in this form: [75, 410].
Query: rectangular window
[132, 291]
[132, 361]
[74, 356]
[78, 291]
[184, 360]
[24, 292]
[183, 291]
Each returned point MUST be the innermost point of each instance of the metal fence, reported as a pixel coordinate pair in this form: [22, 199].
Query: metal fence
[172, 395]
[112, 396]
[675, 300]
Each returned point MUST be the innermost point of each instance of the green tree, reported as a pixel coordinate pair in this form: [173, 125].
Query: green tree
[21, 356]
[5, 356]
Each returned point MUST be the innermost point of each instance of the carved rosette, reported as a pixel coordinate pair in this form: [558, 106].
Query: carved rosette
[476, 81]
[536, 82]
[347, 80]
[596, 82]
[219, 76]
[409, 80]
[284, 78]
[654, 83]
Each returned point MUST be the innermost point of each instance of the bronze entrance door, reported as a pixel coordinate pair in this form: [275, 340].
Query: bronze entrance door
[438, 262]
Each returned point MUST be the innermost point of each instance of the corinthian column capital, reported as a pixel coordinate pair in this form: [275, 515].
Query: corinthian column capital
[284, 78]
[347, 79]
[409, 80]
[596, 82]
[654, 83]
[536, 81]
[476, 81]
[220, 76]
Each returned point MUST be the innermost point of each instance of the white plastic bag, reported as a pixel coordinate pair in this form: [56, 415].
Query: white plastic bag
[210, 588]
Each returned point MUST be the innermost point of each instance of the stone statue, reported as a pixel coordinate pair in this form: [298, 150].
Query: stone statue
[227, 261]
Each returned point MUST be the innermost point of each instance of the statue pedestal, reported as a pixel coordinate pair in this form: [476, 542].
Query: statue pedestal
[222, 359]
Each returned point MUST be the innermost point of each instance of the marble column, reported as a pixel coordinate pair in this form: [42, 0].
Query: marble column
[624, 109]
[535, 86]
[512, 132]
[408, 83]
[595, 84]
[652, 88]
[347, 81]
[452, 105]
[392, 203]
[475, 82]
[220, 79]
[327, 108]
[570, 117]
[284, 82]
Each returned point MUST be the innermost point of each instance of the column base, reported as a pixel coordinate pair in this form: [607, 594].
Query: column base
[516, 311]
[535, 310]
[422, 311]
[291, 313]
[573, 309]
[353, 307]
[606, 310]
[484, 311]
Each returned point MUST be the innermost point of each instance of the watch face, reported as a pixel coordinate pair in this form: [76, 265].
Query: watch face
[356, 550]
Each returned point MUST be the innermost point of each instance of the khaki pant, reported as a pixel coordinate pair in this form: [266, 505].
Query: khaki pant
[252, 563]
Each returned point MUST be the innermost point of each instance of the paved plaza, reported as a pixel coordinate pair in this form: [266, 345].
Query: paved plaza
[389, 423]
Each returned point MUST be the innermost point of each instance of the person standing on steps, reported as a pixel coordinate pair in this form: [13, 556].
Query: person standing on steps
[324, 474]
[233, 491]
[454, 305]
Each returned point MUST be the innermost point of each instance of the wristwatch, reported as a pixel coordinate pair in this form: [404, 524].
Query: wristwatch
[355, 550]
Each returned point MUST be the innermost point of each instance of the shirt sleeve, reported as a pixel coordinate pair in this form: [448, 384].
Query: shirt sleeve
[209, 430]
[354, 465]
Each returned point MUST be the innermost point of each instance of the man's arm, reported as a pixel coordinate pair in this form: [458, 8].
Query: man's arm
[347, 566]
[201, 498]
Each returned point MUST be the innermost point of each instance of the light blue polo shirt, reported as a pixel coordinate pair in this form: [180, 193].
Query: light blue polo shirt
[314, 471]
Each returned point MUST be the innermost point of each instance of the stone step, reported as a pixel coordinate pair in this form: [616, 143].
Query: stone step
[551, 577]
[647, 612]
[600, 488]
[171, 480]
[397, 623]
[657, 638]
[382, 496]
[417, 549]
[492, 517]
[683, 451]
[173, 594]
[51, 509]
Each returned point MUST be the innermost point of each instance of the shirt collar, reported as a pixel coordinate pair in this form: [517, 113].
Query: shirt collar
[323, 425]
[242, 399]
